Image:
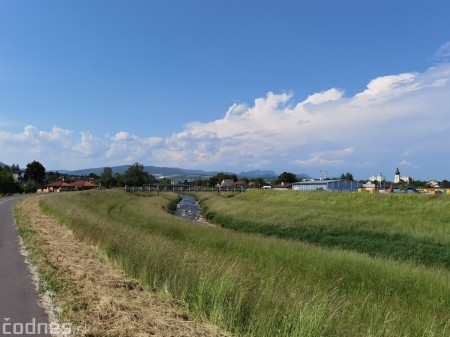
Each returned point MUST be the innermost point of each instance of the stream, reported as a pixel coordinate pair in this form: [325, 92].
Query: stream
[188, 208]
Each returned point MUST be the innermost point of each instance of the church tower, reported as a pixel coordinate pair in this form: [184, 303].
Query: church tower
[397, 176]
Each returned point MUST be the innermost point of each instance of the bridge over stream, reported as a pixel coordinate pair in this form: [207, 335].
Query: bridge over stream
[183, 188]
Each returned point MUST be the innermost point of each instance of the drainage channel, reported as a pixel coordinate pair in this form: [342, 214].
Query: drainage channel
[188, 208]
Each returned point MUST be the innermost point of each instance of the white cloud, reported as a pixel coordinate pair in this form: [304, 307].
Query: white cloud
[326, 157]
[32, 136]
[406, 163]
[89, 145]
[153, 141]
[443, 52]
[393, 115]
[385, 119]
[58, 135]
[28, 134]
[323, 97]
[236, 110]
[121, 136]
[392, 86]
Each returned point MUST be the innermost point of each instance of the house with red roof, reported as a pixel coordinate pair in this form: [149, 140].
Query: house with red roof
[59, 186]
[79, 185]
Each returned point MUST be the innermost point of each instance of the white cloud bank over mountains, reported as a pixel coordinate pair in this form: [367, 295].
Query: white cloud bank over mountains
[397, 119]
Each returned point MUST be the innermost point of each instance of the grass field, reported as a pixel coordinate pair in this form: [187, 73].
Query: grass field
[403, 227]
[268, 286]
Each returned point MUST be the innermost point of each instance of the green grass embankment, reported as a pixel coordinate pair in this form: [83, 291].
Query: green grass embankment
[402, 227]
[254, 285]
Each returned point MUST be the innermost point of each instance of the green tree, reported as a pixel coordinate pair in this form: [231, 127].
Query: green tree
[258, 182]
[31, 187]
[107, 179]
[35, 171]
[53, 177]
[165, 181]
[136, 176]
[7, 183]
[217, 179]
[94, 178]
[15, 168]
[201, 182]
[285, 177]
[418, 183]
[346, 176]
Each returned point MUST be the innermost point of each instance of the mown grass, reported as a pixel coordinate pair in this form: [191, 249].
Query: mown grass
[255, 285]
[403, 227]
[47, 281]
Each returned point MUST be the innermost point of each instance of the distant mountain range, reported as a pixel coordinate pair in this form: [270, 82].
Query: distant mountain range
[175, 173]
[179, 173]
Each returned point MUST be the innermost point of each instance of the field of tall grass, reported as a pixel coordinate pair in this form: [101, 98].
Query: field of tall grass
[254, 285]
[399, 226]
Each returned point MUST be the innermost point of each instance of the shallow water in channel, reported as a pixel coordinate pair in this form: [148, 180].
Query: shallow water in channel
[188, 208]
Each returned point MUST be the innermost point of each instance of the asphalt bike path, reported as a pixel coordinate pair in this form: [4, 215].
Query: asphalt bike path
[20, 313]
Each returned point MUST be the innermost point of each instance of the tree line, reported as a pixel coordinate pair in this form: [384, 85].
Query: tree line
[35, 176]
[136, 176]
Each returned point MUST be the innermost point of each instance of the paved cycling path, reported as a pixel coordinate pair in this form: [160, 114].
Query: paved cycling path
[20, 312]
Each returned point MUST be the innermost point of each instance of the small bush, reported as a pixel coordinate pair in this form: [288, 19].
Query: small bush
[31, 187]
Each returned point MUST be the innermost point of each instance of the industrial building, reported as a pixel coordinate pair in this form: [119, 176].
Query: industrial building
[327, 185]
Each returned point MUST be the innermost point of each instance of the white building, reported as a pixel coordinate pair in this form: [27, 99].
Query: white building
[398, 178]
[378, 178]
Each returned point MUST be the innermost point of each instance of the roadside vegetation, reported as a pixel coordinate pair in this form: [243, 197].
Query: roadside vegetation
[254, 285]
[7, 183]
[79, 286]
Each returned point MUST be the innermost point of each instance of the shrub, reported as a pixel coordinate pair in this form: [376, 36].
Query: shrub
[31, 187]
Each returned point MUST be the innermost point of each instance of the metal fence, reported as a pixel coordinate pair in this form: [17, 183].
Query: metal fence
[182, 188]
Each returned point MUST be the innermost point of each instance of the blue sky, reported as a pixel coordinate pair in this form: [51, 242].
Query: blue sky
[298, 86]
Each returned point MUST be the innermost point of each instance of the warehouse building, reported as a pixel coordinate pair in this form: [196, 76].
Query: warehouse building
[327, 185]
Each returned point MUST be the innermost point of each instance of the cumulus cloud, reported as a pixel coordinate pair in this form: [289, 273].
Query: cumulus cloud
[32, 136]
[89, 145]
[323, 97]
[388, 87]
[121, 136]
[391, 116]
[32, 143]
[57, 135]
[11, 138]
[386, 118]
[443, 52]
[326, 157]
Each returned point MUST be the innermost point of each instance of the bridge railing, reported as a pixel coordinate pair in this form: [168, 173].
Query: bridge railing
[183, 188]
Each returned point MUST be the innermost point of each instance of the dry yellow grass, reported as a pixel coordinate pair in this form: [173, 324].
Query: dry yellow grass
[92, 293]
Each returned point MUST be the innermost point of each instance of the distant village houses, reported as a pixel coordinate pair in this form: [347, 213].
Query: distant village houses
[227, 183]
[62, 186]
